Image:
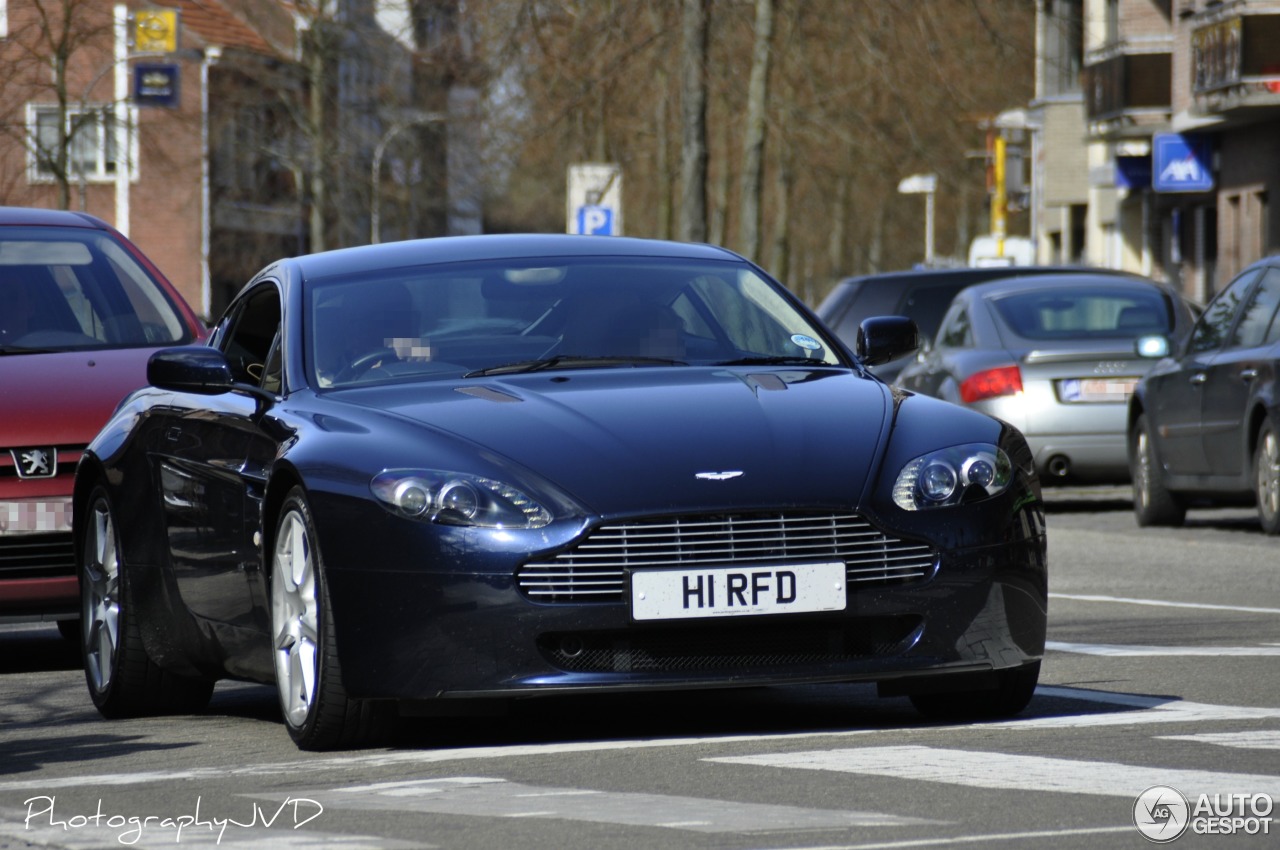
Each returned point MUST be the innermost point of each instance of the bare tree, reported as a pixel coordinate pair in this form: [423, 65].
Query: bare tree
[693, 103]
[754, 132]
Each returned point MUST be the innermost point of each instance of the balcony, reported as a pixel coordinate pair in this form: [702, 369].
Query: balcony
[1235, 65]
[1128, 92]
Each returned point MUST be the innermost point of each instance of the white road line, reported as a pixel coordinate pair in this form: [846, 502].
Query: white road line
[1139, 710]
[1263, 740]
[969, 839]
[459, 796]
[1005, 772]
[1119, 651]
[1159, 603]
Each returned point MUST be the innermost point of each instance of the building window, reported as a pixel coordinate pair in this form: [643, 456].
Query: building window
[91, 150]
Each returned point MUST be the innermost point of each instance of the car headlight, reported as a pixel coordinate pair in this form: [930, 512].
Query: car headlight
[952, 476]
[457, 498]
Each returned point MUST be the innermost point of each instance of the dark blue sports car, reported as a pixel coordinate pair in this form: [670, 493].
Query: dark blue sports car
[408, 476]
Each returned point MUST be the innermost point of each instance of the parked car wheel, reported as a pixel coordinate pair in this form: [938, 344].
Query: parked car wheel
[1011, 696]
[1266, 476]
[1153, 503]
[123, 680]
[317, 711]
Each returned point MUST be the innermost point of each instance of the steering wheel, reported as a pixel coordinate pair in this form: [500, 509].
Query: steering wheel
[364, 363]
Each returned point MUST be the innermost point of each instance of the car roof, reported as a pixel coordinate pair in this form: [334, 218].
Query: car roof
[13, 216]
[1032, 283]
[964, 273]
[454, 249]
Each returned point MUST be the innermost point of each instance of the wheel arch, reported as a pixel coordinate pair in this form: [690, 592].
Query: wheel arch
[283, 479]
[1257, 415]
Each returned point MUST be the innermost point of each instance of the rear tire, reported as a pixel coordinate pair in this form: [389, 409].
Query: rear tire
[1153, 503]
[317, 711]
[1266, 477]
[1011, 696]
[123, 680]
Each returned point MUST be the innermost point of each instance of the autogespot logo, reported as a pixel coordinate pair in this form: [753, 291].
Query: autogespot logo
[1161, 813]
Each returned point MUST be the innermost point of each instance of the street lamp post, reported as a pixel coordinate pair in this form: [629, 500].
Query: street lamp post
[925, 184]
[411, 120]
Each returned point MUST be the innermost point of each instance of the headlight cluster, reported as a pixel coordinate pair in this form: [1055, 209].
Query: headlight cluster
[952, 476]
[456, 498]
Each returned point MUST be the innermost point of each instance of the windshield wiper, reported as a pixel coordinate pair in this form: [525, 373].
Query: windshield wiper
[773, 361]
[572, 361]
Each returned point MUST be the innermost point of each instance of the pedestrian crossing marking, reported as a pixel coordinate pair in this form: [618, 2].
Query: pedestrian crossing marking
[1003, 771]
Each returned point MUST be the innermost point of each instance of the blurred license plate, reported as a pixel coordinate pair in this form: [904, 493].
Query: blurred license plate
[735, 591]
[1096, 389]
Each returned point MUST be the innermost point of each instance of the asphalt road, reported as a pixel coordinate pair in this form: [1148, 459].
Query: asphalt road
[1163, 670]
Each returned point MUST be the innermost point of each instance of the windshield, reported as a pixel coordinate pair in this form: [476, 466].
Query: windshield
[64, 289]
[488, 318]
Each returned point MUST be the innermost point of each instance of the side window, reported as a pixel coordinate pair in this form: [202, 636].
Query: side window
[956, 331]
[1211, 331]
[1272, 280]
[1258, 316]
[253, 328]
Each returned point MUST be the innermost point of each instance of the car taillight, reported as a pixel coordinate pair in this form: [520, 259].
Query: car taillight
[990, 383]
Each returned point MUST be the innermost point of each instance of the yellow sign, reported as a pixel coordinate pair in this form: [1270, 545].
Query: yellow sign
[155, 31]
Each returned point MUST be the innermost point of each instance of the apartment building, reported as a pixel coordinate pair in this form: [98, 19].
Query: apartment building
[1156, 136]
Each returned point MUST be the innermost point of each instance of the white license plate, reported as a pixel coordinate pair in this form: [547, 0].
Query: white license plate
[737, 591]
[1096, 389]
[35, 516]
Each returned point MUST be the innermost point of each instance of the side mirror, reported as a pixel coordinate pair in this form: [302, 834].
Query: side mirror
[885, 338]
[191, 369]
[1153, 346]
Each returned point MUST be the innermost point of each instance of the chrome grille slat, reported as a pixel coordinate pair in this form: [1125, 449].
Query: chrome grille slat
[595, 569]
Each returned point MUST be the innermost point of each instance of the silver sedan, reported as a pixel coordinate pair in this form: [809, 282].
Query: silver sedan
[1056, 357]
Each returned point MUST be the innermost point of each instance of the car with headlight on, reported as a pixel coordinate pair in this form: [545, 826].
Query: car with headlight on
[81, 310]
[404, 477]
[1056, 357]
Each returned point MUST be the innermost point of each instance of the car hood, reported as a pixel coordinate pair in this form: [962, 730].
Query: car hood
[632, 440]
[64, 398]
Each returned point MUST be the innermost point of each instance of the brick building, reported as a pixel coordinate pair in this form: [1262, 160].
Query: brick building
[1173, 109]
[211, 152]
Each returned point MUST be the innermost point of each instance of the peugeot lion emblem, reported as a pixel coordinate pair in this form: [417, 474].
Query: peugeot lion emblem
[719, 476]
[36, 463]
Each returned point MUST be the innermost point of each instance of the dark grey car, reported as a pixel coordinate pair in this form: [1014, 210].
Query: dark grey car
[922, 295]
[1054, 355]
[1203, 425]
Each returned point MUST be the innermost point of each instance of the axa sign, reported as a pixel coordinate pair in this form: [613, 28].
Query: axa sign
[1181, 163]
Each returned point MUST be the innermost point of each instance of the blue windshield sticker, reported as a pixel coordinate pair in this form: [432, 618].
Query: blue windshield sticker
[808, 343]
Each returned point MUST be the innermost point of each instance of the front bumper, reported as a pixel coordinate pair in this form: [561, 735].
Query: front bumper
[418, 636]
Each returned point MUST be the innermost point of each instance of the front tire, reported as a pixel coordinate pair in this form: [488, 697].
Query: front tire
[317, 711]
[1011, 696]
[123, 680]
[1153, 503]
[1266, 477]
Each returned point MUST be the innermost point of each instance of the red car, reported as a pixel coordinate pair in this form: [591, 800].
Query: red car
[81, 311]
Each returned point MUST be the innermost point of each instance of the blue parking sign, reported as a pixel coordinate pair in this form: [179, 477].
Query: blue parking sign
[595, 220]
[1181, 163]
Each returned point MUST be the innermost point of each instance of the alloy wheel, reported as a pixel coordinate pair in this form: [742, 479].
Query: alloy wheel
[295, 619]
[1269, 475]
[101, 600]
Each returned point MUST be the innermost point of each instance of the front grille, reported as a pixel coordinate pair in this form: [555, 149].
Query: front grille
[594, 570]
[37, 556]
[67, 458]
[724, 648]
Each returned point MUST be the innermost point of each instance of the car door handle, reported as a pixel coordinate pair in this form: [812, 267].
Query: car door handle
[1248, 374]
[1199, 378]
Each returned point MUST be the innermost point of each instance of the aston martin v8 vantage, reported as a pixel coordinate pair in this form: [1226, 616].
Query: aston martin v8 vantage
[501, 467]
